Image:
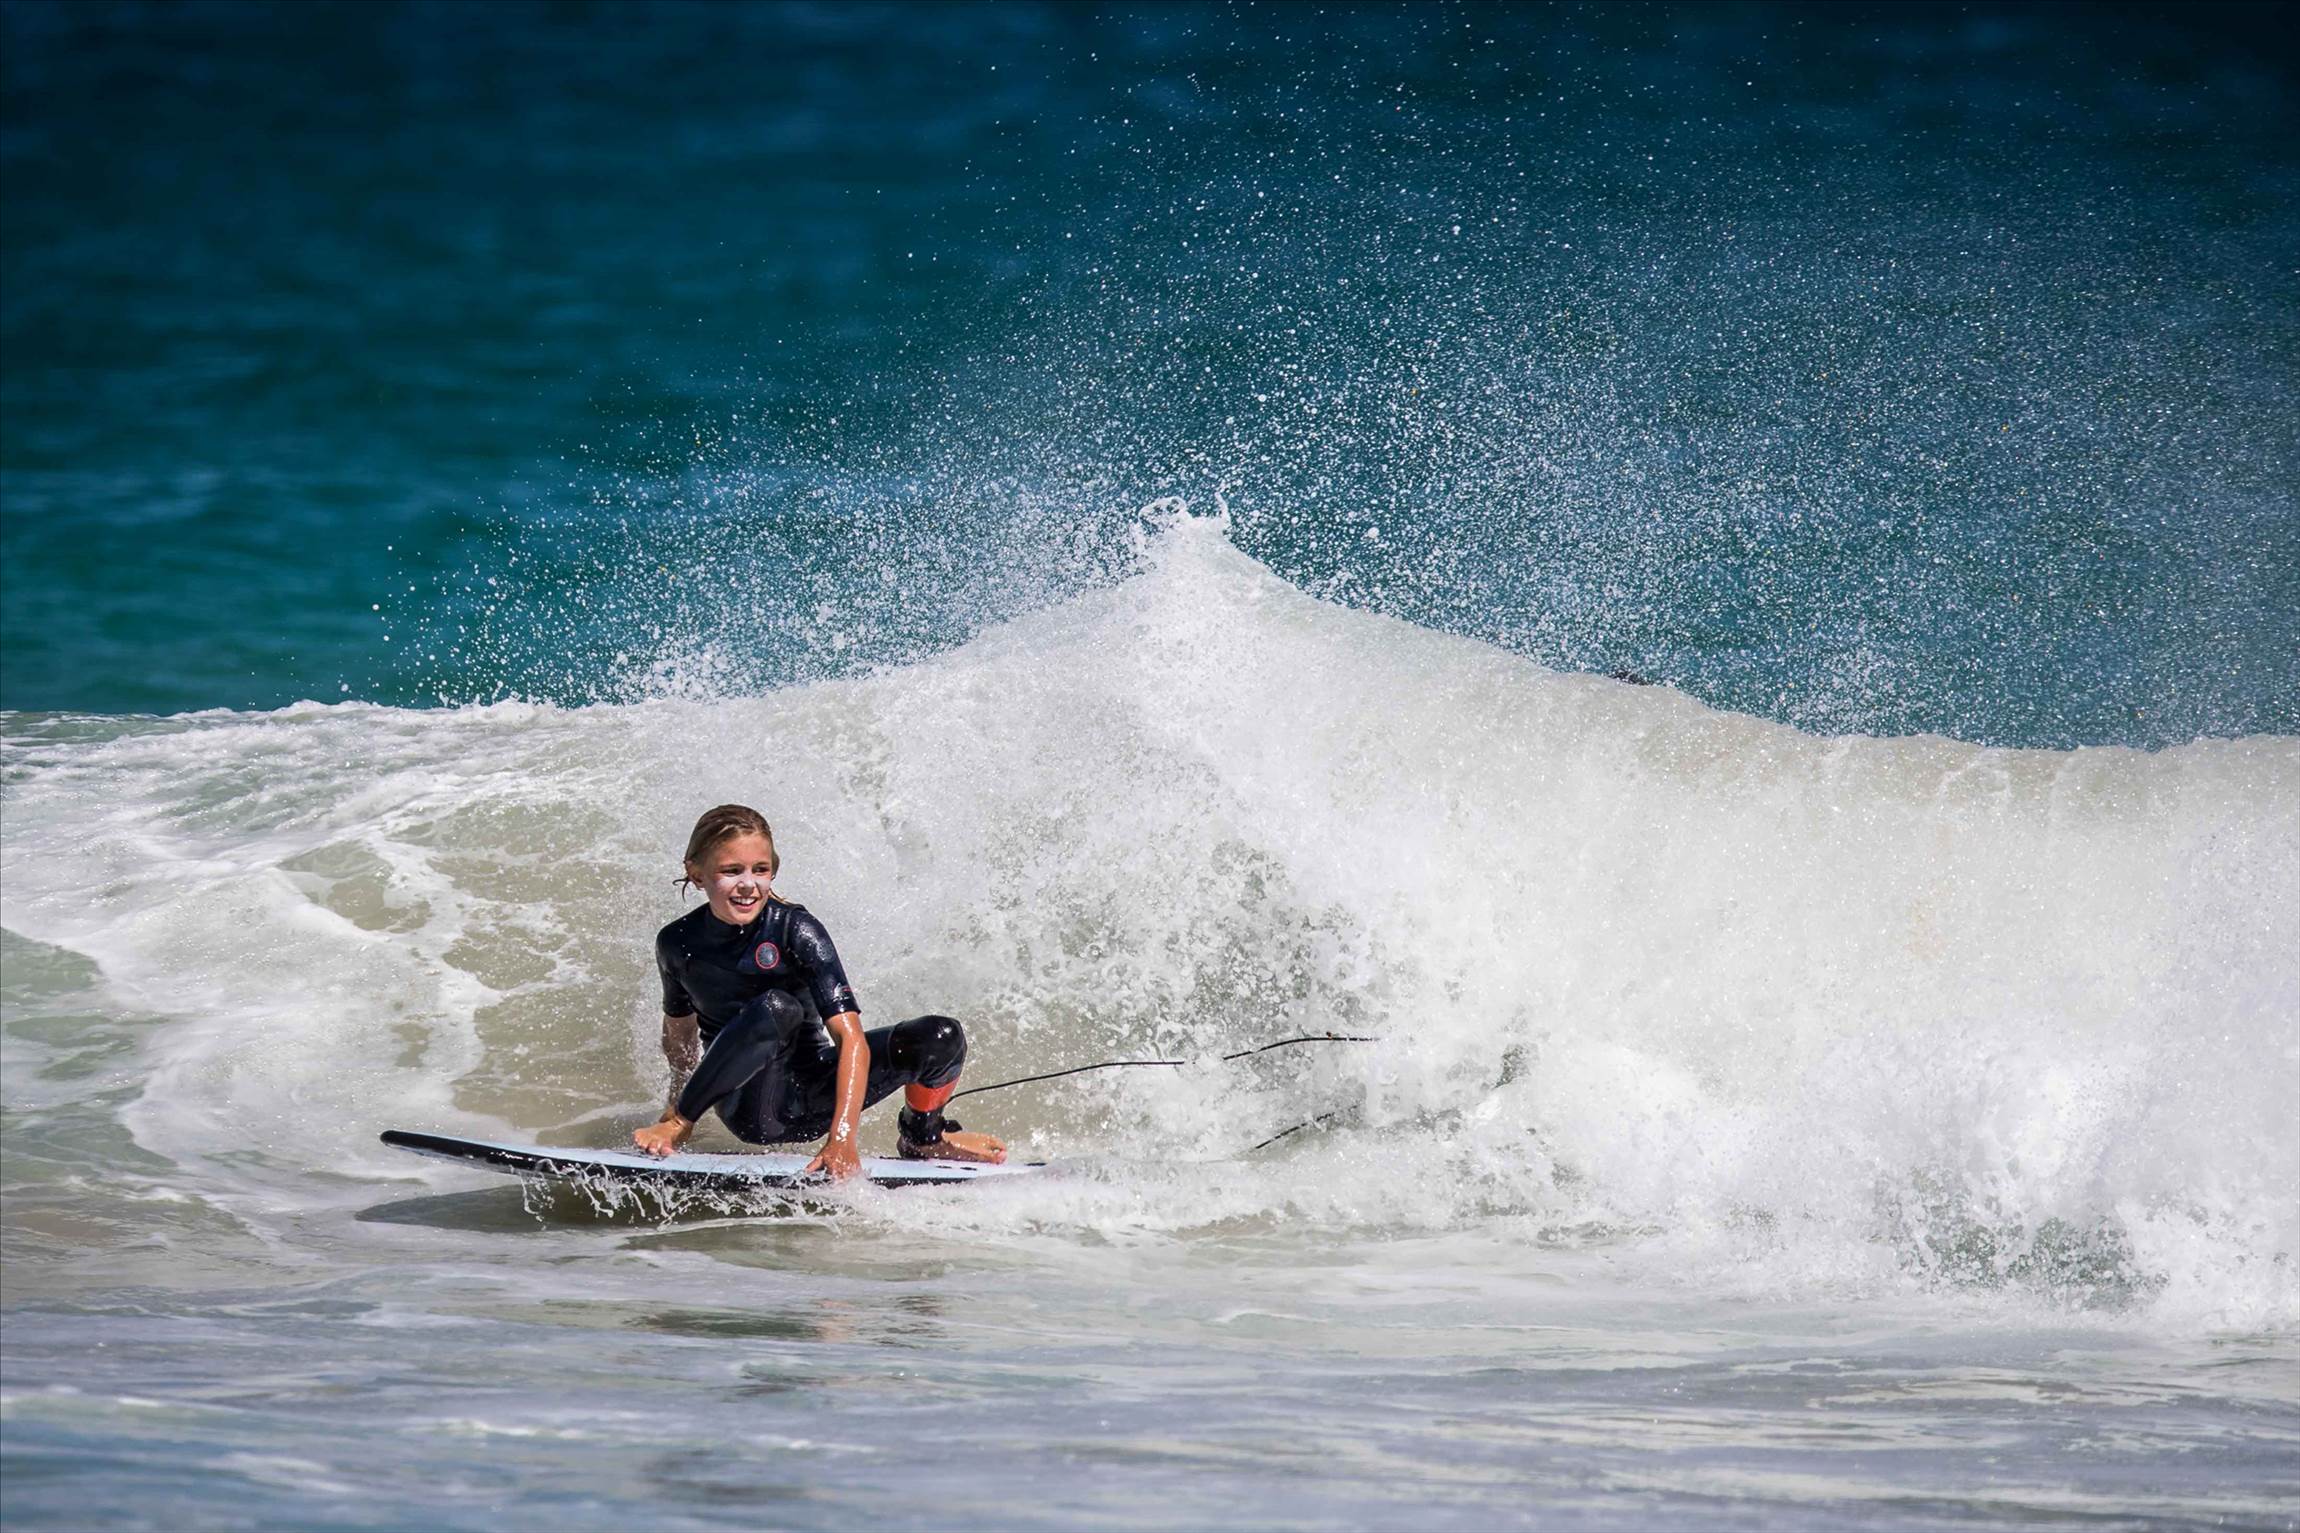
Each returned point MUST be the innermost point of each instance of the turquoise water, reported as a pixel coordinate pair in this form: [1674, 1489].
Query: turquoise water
[1153, 501]
[1873, 370]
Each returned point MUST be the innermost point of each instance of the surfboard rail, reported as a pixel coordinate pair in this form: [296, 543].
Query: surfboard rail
[757, 1171]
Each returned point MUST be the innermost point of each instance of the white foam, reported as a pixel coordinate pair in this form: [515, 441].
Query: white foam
[1845, 1007]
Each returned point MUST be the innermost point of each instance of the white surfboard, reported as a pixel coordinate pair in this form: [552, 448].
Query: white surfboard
[726, 1173]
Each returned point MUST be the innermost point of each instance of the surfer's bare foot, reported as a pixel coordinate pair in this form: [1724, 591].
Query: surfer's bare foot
[958, 1144]
[665, 1137]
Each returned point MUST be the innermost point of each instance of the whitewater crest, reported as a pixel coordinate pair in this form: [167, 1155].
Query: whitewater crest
[1768, 1007]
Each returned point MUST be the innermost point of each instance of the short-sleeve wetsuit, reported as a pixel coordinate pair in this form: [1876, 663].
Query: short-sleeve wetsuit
[760, 994]
[714, 970]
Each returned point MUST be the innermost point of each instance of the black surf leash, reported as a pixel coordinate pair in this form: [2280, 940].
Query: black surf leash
[1119, 1064]
[1324, 1117]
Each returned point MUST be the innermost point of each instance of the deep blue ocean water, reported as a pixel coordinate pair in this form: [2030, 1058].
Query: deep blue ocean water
[1875, 368]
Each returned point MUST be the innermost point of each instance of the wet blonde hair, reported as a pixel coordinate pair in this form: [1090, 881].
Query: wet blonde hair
[715, 826]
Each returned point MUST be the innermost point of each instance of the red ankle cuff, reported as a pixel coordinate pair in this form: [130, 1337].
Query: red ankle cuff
[928, 1098]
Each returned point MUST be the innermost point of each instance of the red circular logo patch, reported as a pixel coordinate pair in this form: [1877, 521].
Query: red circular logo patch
[767, 955]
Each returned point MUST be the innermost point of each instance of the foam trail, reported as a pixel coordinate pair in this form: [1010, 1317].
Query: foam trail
[1788, 1009]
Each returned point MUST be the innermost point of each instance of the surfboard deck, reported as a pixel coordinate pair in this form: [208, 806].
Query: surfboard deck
[725, 1173]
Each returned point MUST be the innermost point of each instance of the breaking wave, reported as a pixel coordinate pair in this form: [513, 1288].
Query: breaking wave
[1758, 1007]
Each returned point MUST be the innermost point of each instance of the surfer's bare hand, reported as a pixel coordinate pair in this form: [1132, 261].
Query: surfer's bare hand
[665, 1136]
[839, 1157]
[964, 1144]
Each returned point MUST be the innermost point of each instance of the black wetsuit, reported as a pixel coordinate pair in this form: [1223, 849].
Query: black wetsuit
[761, 994]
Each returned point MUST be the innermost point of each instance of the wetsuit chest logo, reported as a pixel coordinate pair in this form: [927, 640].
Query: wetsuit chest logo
[766, 955]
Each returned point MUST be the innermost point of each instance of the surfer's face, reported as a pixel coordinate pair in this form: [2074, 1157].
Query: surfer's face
[736, 876]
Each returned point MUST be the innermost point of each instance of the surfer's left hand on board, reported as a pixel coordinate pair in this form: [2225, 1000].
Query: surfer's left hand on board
[838, 1156]
[665, 1135]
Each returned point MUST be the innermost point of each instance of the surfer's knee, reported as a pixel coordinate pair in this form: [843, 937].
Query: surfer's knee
[941, 1049]
[776, 1010]
[939, 1053]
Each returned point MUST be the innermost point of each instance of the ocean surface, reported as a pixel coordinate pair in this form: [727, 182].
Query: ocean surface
[1722, 582]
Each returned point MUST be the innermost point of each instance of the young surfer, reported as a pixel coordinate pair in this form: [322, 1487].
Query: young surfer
[760, 1023]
